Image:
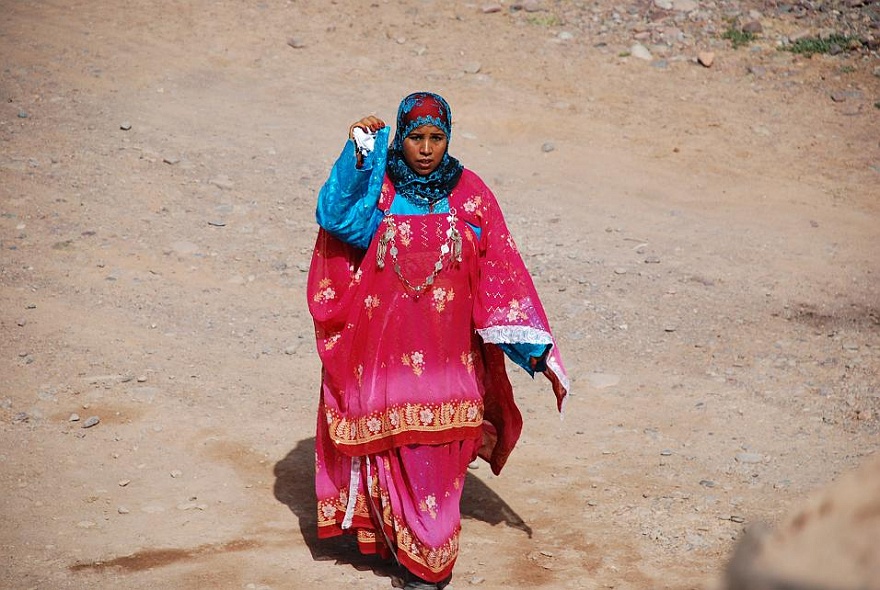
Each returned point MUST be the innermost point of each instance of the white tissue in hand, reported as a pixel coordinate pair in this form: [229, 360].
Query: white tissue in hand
[364, 140]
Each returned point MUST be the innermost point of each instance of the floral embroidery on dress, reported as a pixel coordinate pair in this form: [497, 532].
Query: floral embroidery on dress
[426, 416]
[429, 505]
[331, 341]
[328, 510]
[404, 231]
[416, 361]
[473, 203]
[371, 303]
[442, 297]
[325, 291]
[374, 424]
[515, 311]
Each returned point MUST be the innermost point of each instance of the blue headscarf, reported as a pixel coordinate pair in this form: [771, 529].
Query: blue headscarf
[417, 109]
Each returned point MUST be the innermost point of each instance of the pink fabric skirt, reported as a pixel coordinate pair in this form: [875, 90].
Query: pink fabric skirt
[403, 502]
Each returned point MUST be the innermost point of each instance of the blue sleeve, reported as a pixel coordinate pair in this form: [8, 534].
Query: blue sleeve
[522, 352]
[347, 201]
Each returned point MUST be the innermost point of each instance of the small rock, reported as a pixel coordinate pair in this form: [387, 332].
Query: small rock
[665, 453]
[652, 260]
[124, 482]
[125, 125]
[73, 417]
[22, 115]
[707, 483]
[171, 160]
[548, 147]
[706, 58]
[749, 458]
[123, 510]
[21, 323]
[20, 417]
[142, 379]
[639, 51]
[685, 5]
[491, 8]
[602, 380]
[222, 182]
[296, 42]
[620, 270]
[753, 27]
[86, 524]
[90, 421]
[532, 6]
[472, 68]
[757, 71]
[176, 473]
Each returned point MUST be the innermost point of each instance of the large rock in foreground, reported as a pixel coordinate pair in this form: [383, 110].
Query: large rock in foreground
[831, 543]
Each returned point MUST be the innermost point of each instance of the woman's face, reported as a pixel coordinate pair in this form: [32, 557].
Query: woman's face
[423, 149]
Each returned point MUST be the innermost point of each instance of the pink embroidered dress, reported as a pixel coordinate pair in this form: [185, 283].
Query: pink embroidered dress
[414, 384]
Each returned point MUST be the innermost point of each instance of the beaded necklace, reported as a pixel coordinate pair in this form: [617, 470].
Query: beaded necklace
[450, 247]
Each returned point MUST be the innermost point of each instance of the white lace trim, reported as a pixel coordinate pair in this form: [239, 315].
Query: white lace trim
[514, 335]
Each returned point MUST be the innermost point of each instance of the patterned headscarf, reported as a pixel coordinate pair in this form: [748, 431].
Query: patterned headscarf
[417, 109]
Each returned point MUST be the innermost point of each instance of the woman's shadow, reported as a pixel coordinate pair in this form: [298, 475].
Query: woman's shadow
[295, 488]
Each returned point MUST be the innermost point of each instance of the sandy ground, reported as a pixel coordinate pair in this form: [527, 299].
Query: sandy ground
[706, 242]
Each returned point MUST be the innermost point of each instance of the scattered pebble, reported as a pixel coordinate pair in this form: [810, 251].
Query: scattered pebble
[639, 51]
[222, 182]
[296, 42]
[753, 27]
[123, 510]
[125, 125]
[74, 417]
[90, 421]
[706, 58]
[176, 473]
[472, 68]
[548, 147]
[749, 458]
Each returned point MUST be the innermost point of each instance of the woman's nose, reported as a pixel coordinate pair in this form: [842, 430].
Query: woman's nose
[425, 147]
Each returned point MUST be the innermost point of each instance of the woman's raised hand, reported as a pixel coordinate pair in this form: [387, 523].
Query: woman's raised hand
[370, 123]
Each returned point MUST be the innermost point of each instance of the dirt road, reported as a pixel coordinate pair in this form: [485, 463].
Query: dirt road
[705, 240]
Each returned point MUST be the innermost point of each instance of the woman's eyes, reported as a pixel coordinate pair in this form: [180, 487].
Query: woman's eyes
[434, 138]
